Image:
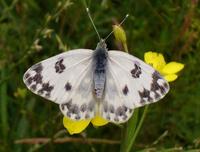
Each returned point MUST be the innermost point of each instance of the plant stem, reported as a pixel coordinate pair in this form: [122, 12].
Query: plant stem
[66, 139]
[128, 149]
[125, 47]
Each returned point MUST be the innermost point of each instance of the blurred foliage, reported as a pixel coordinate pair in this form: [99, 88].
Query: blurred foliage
[31, 31]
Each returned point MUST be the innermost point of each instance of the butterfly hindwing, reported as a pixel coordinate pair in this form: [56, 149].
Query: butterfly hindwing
[113, 107]
[62, 79]
[81, 103]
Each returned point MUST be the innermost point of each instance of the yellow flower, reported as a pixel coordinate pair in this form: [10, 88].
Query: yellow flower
[75, 127]
[168, 70]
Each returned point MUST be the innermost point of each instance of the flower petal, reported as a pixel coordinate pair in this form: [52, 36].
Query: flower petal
[99, 121]
[170, 77]
[155, 59]
[75, 127]
[172, 68]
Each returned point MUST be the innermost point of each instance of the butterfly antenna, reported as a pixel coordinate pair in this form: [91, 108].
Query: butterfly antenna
[118, 25]
[88, 11]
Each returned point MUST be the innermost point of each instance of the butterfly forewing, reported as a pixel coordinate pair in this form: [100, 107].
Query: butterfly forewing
[138, 83]
[55, 78]
[81, 103]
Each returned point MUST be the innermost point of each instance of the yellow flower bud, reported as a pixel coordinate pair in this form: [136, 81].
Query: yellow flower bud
[119, 33]
[120, 36]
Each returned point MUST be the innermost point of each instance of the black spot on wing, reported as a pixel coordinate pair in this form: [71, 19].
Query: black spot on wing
[83, 107]
[74, 109]
[68, 86]
[62, 107]
[136, 71]
[71, 109]
[156, 76]
[33, 87]
[145, 96]
[111, 109]
[156, 87]
[37, 78]
[37, 68]
[124, 117]
[46, 89]
[69, 114]
[120, 111]
[125, 90]
[67, 104]
[119, 114]
[166, 85]
[157, 95]
[130, 110]
[59, 66]
[77, 117]
[29, 81]
[27, 75]
[108, 117]
[125, 108]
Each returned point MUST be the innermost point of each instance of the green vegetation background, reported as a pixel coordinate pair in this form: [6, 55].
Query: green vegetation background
[33, 30]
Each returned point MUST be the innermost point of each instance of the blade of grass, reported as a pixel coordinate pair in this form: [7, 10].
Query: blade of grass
[24, 123]
[129, 130]
[3, 106]
[132, 131]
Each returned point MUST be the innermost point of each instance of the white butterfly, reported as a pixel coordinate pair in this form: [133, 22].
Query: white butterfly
[86, 83]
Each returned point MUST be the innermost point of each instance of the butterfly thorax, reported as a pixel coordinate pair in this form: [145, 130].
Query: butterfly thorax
[100, 61]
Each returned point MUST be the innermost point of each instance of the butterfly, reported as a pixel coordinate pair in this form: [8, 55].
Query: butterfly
[86, 83]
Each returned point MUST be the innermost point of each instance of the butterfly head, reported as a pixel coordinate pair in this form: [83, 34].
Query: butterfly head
[101, 45]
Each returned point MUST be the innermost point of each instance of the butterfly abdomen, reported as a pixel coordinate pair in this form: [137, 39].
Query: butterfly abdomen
[100, 61]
